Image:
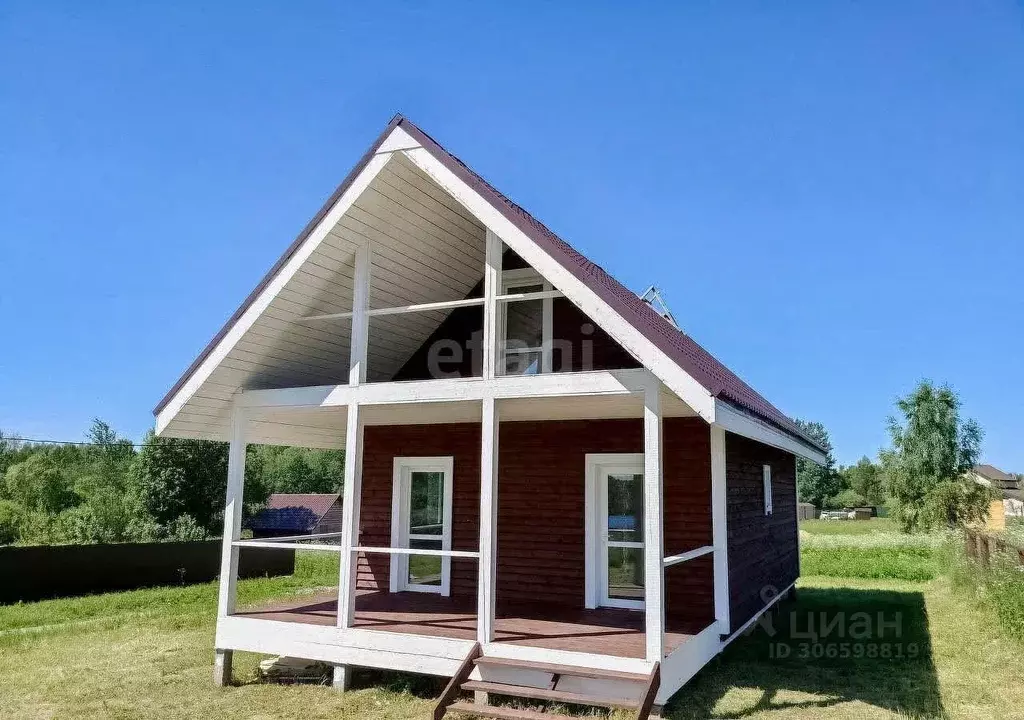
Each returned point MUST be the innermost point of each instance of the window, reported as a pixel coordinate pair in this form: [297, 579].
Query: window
[525, 325]
[421, 519]
[766, 474]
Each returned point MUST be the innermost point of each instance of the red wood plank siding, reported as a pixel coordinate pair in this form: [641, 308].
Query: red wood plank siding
[763, 550]
[541, 504]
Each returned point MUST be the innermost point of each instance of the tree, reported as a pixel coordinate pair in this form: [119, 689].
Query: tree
[926, 468]
[174, 478]
[815, 483]
[40, 483]
[866, 479]
[296, 470]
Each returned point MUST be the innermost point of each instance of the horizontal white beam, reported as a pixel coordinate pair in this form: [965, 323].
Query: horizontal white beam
[539, 295]
[417, 551]
[599, 382]
[736, 421]
[285, 545]
[286, 538]
[689, 555]
[421, 307]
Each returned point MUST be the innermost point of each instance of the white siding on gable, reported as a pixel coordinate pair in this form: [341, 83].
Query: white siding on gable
[425, 248]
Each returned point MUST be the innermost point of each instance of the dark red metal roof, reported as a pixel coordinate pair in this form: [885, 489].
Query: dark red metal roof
[721, 382]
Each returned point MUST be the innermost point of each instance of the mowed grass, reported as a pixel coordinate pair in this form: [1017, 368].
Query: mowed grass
[149, 654]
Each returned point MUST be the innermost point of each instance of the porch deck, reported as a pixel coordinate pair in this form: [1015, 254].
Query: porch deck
[604, 631]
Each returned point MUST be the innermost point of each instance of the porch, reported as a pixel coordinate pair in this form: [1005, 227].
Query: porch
[601, 631]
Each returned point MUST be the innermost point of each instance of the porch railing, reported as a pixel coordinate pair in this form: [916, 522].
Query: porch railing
[688, 555]
[302, 542]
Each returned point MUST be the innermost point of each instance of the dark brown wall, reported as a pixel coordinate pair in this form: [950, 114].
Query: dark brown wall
[763, 549]
[541, 504]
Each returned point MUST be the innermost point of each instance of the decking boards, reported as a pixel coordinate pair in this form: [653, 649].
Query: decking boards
[605, 631]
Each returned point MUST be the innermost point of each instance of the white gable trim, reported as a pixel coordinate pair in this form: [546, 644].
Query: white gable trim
[258, 306]
[736, 421]
[664, 368]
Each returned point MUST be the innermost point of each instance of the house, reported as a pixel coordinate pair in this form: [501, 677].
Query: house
[550, 491]
[1008, 501]
[298, 514]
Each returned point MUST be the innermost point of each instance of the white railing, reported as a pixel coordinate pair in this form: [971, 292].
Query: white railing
[289, 542]
[689, 555]
[418, 551]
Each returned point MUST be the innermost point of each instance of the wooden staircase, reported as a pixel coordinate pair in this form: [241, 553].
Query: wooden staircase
[528, 680]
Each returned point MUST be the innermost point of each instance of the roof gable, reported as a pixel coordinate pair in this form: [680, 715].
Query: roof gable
[677, 359]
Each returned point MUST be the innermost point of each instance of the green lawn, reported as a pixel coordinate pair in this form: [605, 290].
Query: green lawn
[148, 654]
[848, 527]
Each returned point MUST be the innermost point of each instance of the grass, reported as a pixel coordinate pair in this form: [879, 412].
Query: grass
[848, 527]
[148, 654]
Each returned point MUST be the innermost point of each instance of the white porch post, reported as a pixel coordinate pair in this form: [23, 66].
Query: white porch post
[719, 529]
[352, 492]
[654, 545]
[487, 563]
[232, 532]
[492, 286]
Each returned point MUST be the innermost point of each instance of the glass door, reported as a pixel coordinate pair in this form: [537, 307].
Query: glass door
[621, 531]
[421, 508]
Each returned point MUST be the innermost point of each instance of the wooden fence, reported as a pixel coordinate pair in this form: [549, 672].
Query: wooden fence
[39, 572]
[982, 546]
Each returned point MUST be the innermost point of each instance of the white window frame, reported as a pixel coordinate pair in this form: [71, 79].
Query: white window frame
[524, 277]
[766, 479]
[400, 536]
[595, 523]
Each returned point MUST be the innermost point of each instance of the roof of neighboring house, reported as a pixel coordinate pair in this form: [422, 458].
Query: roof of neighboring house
[717, 379]
[993, 473]
[293, 511]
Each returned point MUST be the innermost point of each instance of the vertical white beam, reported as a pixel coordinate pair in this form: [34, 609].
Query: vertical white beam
[488, 561]
[350, 516]
[232, 531]
[232, 513]
[719, 528]
[654, 542]
[352, 490]
[492, 286]
[360, 320]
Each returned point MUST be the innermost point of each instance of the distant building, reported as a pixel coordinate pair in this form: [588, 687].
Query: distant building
[1009, 502]
[298, 514]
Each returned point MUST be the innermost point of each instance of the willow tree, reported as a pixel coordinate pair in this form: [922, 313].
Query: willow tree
[927, 467]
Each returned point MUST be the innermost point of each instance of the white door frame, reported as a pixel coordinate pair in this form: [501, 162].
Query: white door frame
[400, 499]
[598, 465]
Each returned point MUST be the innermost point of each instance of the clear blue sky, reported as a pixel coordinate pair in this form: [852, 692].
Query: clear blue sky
[830, 194]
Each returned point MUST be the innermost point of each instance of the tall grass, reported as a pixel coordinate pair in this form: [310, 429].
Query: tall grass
[997, 587]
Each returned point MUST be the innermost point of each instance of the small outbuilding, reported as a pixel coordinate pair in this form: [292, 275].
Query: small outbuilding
[298, 514]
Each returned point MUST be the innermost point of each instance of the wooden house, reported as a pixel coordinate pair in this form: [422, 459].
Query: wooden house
[550, 490]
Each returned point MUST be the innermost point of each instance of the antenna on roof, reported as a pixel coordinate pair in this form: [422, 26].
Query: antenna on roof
[652, 296]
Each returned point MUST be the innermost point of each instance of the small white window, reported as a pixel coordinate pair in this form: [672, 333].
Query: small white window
[526, 325]
[766, 474]
[421, 519]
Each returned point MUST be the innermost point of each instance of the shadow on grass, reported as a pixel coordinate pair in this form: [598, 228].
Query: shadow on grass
[780, 666]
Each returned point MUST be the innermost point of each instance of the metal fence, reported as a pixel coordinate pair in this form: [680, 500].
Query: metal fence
[39, 572]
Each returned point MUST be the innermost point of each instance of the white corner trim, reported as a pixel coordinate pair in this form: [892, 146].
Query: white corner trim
[735, 421]
[399, 139]
[720, 527]
[664, 368]
[260, 304]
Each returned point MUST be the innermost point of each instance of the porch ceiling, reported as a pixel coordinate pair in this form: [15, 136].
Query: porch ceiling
[425, 248]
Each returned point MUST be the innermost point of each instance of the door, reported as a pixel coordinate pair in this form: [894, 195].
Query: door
[619, 524]
[421, 512]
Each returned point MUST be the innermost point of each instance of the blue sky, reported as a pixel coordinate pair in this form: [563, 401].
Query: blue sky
[830, 194]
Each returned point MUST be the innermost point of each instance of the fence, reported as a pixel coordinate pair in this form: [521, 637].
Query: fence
[36, 573]
[981, 546]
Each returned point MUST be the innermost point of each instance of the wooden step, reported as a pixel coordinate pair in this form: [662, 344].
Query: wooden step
[553, 695]
[504, 713]
[570, 670]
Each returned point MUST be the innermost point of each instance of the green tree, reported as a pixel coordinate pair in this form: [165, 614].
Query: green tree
[815, 483]
[866, 479]
[41, 483]
[932, 450]
[296, 470]
[11, 518]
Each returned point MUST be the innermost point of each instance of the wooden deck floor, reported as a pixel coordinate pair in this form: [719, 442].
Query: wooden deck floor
[604, 631]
